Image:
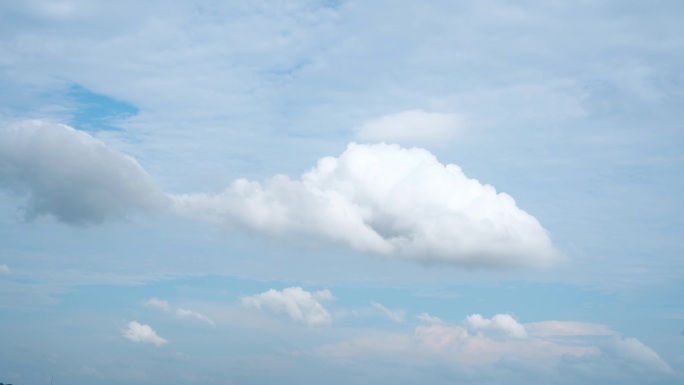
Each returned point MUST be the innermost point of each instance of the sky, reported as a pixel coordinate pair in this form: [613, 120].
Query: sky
[341, 192]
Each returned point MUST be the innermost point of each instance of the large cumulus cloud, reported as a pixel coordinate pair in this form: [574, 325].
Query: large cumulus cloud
[71, 175]
[388, 200]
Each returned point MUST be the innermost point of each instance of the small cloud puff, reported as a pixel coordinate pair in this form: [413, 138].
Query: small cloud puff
[4, 269]
[157, 304]
[300, 305]
[141, 333]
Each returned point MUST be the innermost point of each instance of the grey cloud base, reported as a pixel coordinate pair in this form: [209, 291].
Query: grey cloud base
[380, 198]
[71, 175]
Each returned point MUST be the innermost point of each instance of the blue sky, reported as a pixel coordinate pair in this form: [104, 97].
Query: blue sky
[352, 192]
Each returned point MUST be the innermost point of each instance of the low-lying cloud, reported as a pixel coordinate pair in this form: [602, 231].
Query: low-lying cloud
[388, 200]
[383, 199]
[72, 176]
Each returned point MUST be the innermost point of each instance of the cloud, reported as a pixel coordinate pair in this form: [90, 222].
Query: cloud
[412, 127]
[396, 316]
[503, 325]
[481, 354]
[4, 269]
[157, 303]
[427, 318]
[141, 333]
[71, 175]
[547, 329]
[186, 313]
[180, 312]
[300, 305]
[388, 200]
[633, 351]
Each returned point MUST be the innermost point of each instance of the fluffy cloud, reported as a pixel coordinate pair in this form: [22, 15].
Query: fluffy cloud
[300, 305]
[186, 313]
[396, 316]
[499, 325]
[141, 333]
[387, 200]
[71, 175]
[412, 127]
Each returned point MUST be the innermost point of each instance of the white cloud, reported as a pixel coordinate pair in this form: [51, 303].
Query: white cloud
[396, 316]
[501, 325]
[158, 304]
[300, 305]
[583, 356]
[71, 175]
[186, 313]
[141, 333]
[633, 351]
[412, 127]
[547, 329]
[388, 200]
[4, 269]
[427, 318]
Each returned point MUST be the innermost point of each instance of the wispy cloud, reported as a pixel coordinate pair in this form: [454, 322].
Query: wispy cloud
[186, 313]
[157, 303]
[394, 315]
[427, 318]
[4, 269]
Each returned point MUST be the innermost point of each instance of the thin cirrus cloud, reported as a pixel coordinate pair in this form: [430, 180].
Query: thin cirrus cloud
[71, 175]
[394, 315]
[141, 333]
[388, 200]
[412, 127]
[300, 305]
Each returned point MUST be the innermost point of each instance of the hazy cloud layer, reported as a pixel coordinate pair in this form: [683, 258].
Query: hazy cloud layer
[4, 269]
[300, 305]
[387, 200]
[142, 333]
[71, 175]
[412, 127]
[570, 353]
